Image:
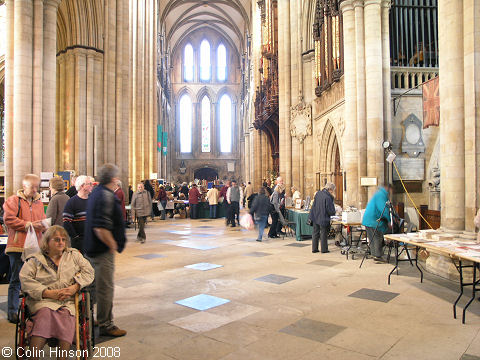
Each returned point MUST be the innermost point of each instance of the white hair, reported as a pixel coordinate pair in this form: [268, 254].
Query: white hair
[81, 180]
[330, 186]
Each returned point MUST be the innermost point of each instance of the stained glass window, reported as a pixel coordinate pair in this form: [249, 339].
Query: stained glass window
[188, 63]
[225, 124]
[221, 63]
[205, 66]
[205, 124]
[185, 124]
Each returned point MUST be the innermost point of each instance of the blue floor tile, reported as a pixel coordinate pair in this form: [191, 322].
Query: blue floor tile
[275, 279]
[202, 302]
[203, 266]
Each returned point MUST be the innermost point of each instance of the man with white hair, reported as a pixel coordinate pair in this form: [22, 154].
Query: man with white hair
[75, 212]
[322, 209]
[21, 211]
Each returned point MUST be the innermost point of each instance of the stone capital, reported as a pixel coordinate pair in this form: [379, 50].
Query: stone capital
[358, 3]
[346, 5]
[373, 2]
[386, 4]
[53, 3]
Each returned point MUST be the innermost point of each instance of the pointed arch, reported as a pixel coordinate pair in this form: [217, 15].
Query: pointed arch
[185, 112]
[205, 61]
[206, 114]
[221, 62]
[188, 63]
[226, 111]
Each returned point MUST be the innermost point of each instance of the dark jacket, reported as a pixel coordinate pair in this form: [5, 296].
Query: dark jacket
[162, 195]
[260, 206]
[103, 211]
[322, 208]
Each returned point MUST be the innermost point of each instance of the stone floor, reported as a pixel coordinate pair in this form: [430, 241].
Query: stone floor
[198, 290]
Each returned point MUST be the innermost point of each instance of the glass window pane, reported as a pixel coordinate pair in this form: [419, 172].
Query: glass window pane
[221, 63]
[205, 124]
[185, 124]
[205, 60]
[225, 124]
[188, 63]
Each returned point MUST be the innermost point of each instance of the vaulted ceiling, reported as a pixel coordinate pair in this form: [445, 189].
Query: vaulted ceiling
[231, 18]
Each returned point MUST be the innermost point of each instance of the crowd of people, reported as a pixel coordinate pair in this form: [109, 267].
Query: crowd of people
[77, 249]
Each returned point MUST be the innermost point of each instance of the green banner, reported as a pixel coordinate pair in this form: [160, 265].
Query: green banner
[165, 143]
[159, 138]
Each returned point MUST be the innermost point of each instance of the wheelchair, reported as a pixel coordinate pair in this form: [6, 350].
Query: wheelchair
[85, 331]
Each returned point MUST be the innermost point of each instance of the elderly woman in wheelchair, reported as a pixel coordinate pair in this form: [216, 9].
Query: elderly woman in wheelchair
[50, 279]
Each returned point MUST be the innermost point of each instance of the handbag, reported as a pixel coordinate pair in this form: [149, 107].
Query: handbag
[31, 244]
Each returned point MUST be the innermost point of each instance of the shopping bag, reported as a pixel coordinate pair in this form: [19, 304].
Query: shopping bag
[246, 221]
[31, 244]
[160, 206]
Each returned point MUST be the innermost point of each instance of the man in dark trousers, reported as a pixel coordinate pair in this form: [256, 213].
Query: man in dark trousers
[234, 194]
[226, 206]
[322, 208]
[104, 236]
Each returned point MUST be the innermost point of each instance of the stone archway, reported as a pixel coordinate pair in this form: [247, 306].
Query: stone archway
[206, 173]
[330, 162]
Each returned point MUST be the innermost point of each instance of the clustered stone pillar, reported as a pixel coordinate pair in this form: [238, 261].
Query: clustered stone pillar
[30, 97]
[350, 135]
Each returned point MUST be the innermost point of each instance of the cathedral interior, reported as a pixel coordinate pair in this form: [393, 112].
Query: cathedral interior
[360, 94]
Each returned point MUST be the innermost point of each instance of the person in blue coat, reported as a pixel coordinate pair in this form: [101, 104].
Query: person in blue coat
[322, 209]
[373, 216]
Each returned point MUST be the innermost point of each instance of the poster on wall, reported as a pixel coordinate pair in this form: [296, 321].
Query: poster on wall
[159, 137]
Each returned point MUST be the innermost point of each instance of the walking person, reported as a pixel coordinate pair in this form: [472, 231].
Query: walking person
[234, 194]
[322, 209]
[212, 197]
[248, 193]
[148, 187]
[226, 205]
[20, 212]
[142, 207]
[75, 212]
[57, 201]
[121, 196]
[162, 198]
[260, 210]
[193, 199]
[105, 235]
[276, 213]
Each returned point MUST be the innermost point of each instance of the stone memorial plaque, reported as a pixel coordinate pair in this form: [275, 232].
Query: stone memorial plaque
[410, 169]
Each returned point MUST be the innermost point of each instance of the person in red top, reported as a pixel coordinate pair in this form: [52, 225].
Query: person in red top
[193, 199]
[120, 196]
[226, 205]
[162, 197]
[21, 211]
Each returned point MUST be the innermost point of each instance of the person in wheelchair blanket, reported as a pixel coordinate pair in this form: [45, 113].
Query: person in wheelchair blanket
[50, 279]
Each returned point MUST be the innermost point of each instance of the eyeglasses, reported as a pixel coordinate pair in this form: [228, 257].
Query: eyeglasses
[59, 239]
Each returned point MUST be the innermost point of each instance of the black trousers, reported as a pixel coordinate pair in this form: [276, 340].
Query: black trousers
[273, 228]
[320, 233]
[234, 212]
[193, 211]
[227, 209]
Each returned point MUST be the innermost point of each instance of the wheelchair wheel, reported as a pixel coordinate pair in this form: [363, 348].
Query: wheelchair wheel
[21, 331]
[86, 326]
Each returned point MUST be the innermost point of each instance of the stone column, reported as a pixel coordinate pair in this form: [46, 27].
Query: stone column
[37, 124]
[387, 91]
[49, 83]
[350, 136]
[361, 100]
[10, 187]
[374, 91]
[89, 113]
[452, 121]
[22, 97]
[471, 51]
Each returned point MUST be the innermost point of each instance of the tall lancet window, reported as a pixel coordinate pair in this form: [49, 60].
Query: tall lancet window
[205, 65]
[188, 63]
[205, 124]
[225, 124]
[221, 63]
[185, 109]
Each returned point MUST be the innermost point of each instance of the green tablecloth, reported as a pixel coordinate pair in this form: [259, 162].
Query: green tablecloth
[204, 211]
[299, 217]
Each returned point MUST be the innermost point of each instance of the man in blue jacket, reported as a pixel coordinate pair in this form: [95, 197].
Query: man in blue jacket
[104, 236]
[373, 216]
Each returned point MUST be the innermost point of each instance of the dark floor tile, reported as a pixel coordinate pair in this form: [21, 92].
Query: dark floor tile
[375, 295]
[469, 357]
[313, 330]
[150, 256]
[275, 279]
[324, 262]
[130, 282]
[257, 254]
[298, 244]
